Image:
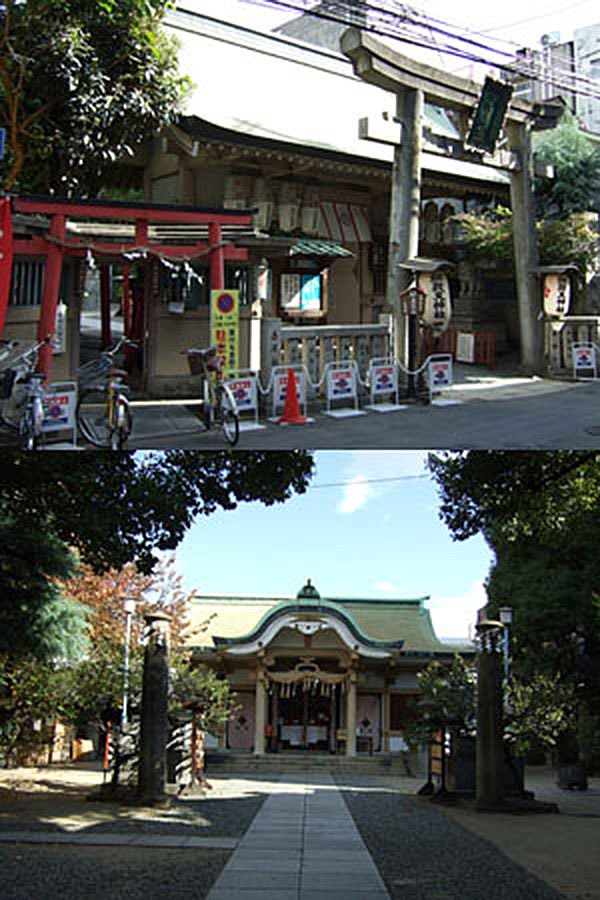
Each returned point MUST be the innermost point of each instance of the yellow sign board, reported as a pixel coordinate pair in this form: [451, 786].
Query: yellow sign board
[225, 327]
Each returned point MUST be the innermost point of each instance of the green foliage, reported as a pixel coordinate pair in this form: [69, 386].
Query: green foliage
[540, 512]
[448, 699]
[81, 84]
[200, 689]
[30, 698]
[488, 238]
[575, 186]
[119, 508]
[35, 618]
[542, 708]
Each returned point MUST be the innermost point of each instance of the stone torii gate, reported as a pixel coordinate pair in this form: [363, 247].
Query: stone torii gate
[413, 83]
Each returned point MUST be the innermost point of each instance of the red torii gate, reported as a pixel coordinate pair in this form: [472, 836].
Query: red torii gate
[55, 245]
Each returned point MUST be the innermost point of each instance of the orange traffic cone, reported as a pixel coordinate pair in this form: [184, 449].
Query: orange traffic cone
[291, 410]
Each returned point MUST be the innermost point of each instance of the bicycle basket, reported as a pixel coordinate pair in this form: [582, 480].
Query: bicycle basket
[7, 380]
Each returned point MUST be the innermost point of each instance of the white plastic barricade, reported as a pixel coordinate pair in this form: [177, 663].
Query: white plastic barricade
[60, 403]
[280, 375]
[440, 377]
[341, 383]
[243, 384]
[584, 360]
[384, 384]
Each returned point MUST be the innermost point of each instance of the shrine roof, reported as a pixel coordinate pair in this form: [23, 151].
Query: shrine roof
[264, 85]
[400, 624]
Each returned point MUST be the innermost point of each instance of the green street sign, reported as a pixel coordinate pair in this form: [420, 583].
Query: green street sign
[489, 115]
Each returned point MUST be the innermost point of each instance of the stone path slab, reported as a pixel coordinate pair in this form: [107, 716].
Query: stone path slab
[302, 845]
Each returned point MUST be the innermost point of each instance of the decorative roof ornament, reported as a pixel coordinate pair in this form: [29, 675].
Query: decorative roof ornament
[308, 592]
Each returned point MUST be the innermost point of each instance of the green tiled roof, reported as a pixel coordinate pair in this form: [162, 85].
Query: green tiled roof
[316, 247]
[311, 604]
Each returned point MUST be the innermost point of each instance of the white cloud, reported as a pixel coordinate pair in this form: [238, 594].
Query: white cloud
[365, 469]
[386, 587]
[455, 616]
[355, 495]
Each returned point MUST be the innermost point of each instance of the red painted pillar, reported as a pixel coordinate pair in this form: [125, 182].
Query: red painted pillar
[50, 293]
[217, 257]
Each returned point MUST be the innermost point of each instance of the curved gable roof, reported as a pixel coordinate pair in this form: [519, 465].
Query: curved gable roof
[312, 606]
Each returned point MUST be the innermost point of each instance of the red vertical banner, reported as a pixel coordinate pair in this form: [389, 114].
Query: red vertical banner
[6, 258]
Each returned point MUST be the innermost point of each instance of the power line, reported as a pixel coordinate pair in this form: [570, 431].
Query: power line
[359, 480]
[401, 22]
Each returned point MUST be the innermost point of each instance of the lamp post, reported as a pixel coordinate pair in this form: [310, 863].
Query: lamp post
[506, 617]
[129, 606]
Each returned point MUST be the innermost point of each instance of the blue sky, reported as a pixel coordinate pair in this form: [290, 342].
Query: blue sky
[353, 539]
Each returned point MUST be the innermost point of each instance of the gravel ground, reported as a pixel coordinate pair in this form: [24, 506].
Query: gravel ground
[56, 800]
[107, 873]
[423, 855]
[47, 800]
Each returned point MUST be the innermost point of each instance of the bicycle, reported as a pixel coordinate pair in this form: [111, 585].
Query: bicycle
[22, 393]
[103, 413]
[218, 403]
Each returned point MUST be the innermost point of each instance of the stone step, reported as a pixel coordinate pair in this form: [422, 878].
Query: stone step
[304, 762]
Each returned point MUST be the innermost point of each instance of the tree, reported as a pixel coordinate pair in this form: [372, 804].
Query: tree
[82, 82]
[575, 186]
[35, 616]
[120, 508]
[488, 237]
[541, 708]
[540, 512]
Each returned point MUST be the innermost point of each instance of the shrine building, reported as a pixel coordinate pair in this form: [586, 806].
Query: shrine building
[322, 674]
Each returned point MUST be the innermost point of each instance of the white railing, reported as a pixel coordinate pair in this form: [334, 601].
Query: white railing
[316, 347]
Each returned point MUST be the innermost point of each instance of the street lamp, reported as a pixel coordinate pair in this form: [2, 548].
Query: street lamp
[129, 606]
[506, 617]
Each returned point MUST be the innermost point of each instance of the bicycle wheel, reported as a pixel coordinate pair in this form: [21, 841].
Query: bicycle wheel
[93, 419]
[28, 439]
[228, 415]
[122, 427]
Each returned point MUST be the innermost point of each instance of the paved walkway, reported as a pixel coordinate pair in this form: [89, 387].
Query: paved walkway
[111, 839]
[302, 845]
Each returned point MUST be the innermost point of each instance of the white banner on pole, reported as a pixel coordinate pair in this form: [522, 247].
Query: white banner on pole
[465, 347]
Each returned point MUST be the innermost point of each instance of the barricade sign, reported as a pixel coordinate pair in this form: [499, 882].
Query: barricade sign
[280, 383]
[584, 360]
[440, 377]
[59, 403]
[243, 384]
[341, 383]
[384, 383]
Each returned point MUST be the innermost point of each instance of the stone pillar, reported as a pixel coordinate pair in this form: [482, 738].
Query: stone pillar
[490, 752]
[351, 715]
[155, 720]
[259, 714]
[526, 251]
[405, 209]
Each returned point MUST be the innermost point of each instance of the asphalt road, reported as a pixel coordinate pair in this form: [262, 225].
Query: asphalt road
[530, 415]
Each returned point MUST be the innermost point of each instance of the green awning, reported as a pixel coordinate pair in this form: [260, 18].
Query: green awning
[316, 247]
